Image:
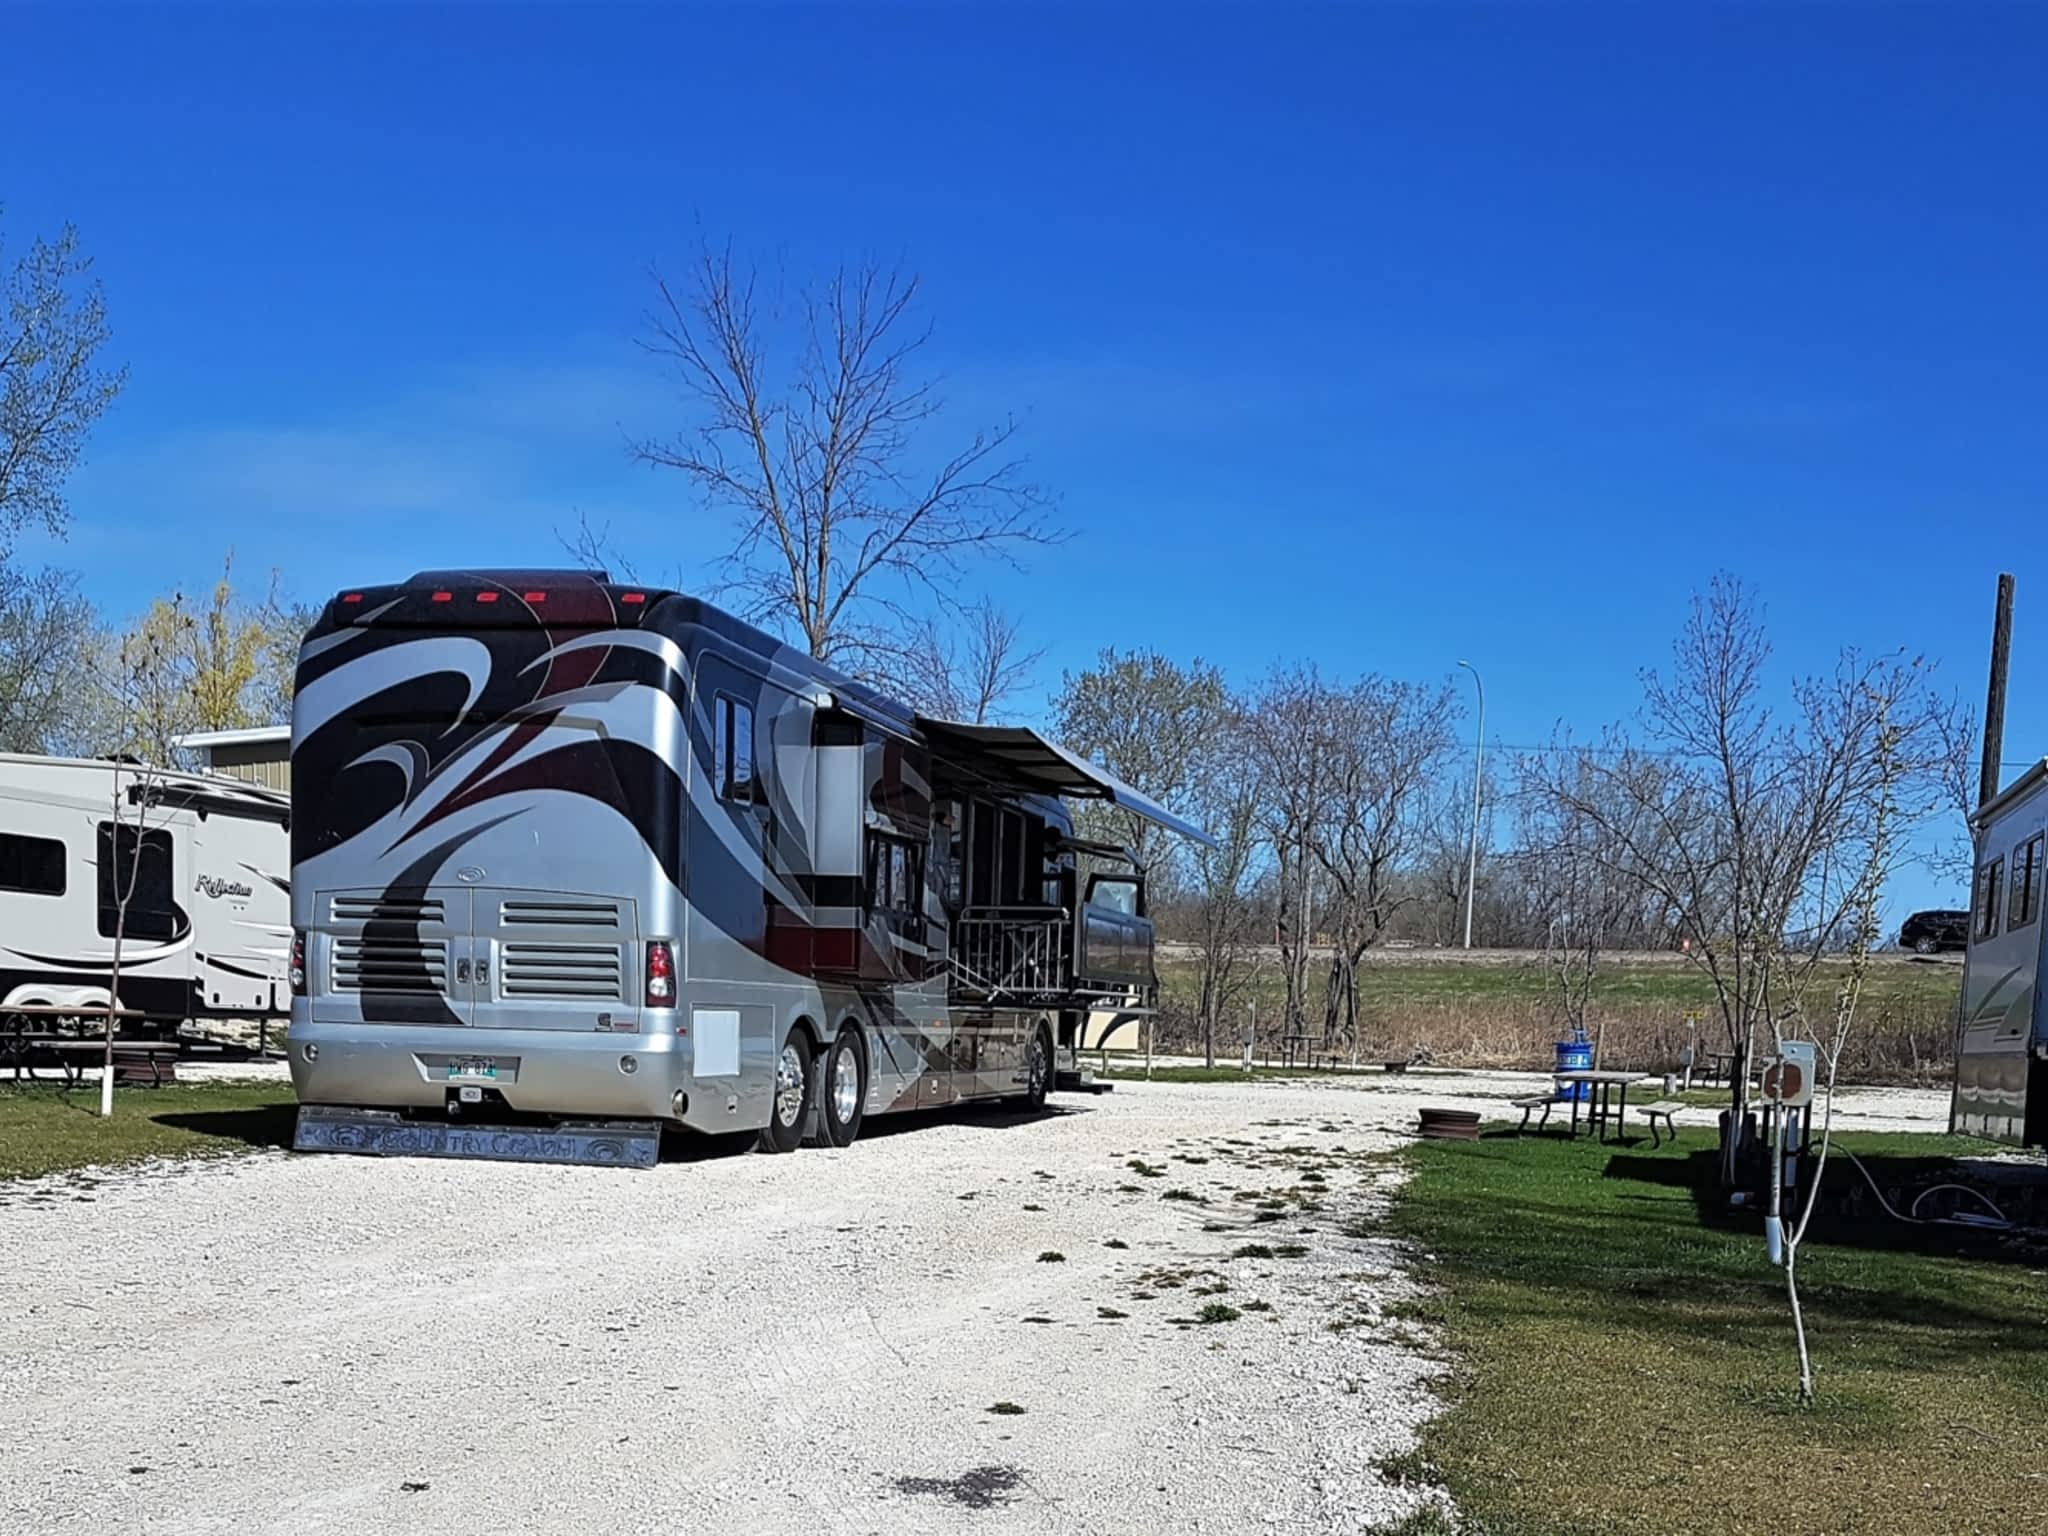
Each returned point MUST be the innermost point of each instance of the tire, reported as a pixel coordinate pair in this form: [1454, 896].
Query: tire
[789, 1106]
[1925, 945]
[843, 1089]
[1038, 1073]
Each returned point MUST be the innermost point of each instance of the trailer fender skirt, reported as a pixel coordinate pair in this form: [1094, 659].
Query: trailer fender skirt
[386, 1133]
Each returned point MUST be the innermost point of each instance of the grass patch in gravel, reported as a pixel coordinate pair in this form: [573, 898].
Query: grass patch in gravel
[1005, 1410]
[44, 1130]
[1116, 1242]
[1218, 1312]
[1052, 1256]
[1563, 1268]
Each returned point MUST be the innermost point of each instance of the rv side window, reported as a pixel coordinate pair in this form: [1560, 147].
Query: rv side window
[2024, 904]
[31, 864]
[145, 881]
[735, 750]
[1990, 881]
[895, 876]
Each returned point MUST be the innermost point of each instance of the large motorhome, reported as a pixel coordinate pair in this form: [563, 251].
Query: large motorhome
[2001, 1089]
[573, 860]
[208, 918]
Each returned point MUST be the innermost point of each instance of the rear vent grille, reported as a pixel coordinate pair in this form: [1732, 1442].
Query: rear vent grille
[559, 970]
[559, 914]
[384, 909]
[390, 965]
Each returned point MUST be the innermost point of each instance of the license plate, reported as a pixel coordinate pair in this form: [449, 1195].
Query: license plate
[476, 1066]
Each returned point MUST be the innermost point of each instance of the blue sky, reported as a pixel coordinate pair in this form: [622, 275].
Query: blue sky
[1381, 335]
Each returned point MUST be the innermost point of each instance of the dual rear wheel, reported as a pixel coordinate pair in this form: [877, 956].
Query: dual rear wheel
[838, 1091]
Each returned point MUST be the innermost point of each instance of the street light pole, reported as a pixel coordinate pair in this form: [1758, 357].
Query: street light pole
[1478, 762]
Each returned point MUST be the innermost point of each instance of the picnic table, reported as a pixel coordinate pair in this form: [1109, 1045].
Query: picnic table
[28, 1033]
[1299, 1044]
[1601, 1110]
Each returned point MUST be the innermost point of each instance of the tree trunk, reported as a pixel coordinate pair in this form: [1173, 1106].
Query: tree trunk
[1738, 1105]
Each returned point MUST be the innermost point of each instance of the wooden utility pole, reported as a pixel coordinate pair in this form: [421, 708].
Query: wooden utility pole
[1994, 694]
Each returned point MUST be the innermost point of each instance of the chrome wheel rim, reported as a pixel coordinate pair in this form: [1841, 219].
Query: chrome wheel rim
[845, 1082]
[789, 1085]
[1037, 1067]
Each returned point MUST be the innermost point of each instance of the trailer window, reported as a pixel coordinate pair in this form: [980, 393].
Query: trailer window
[144, 879]
[2024, 903]
[735, 750]
[31, 864]
[1990, 882]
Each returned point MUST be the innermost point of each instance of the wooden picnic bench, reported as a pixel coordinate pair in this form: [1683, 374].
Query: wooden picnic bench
[23, 1044]
[135, 1061]
[1534, 1102]
[1662, 1111]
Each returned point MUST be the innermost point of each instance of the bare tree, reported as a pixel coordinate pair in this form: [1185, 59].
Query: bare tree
[1741, 823]
[1386, 742]
[1904, 779]
[51, 333]
[1570, 867]
[1225, 801]
[970, 676]
[131, 842]
[847, 513]
[1292, 746]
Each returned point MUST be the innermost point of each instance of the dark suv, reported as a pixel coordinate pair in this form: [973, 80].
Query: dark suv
[1927, 933]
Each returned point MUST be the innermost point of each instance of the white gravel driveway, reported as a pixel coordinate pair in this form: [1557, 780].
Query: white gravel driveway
[732, 1343]
[740, 1342]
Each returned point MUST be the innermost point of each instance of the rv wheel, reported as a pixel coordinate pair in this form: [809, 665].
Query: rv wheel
[845, 1088]
[791, 1103]
[1038, 1069]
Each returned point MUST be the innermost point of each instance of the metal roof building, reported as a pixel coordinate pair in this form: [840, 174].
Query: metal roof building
[260, 755]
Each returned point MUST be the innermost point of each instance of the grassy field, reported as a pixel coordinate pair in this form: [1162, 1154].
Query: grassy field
[43, 1130]
[1624, 1360]
[1664, 981]
[1498, 1011]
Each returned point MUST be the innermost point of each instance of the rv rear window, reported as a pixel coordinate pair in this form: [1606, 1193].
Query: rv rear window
[31, 864]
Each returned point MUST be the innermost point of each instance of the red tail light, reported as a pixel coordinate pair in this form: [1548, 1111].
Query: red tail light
[298, 965]
[661, 974]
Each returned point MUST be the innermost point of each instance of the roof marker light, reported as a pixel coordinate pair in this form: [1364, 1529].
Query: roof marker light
[633, 597]
[536, 597]
[444, 597]
[351, 597]
[487, 597]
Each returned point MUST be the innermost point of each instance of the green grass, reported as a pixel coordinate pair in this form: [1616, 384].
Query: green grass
[1625, 1360]
[43, 1130]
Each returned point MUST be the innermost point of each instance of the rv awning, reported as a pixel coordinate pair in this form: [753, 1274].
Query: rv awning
[1012, 754]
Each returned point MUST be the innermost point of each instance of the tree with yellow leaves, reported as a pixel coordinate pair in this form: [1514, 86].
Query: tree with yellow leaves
[205, 666]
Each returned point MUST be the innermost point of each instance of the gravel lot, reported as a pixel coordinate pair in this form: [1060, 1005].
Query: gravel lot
[736, 1342]
[731, 1342]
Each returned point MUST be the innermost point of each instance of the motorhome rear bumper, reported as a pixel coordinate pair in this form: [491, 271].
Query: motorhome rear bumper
[540, 1072]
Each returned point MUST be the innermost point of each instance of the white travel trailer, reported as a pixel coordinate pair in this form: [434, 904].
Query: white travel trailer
[574, 860]
[2001, 1090]
[209, 917]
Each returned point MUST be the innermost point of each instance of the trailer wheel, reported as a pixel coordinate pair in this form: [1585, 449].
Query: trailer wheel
[1038, 1071]
[845, 1088]
[791, 1104]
